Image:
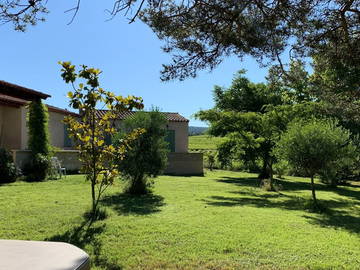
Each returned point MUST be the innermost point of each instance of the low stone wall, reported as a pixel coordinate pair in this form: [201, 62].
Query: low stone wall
[185, 164]
[69, 159]
[178, 163]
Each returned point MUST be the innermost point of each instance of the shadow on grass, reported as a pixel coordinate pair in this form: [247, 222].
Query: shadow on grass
[270, 201]
[334, 215]
[87, 236]
[126, 204]
[254, 182]
[337, 219]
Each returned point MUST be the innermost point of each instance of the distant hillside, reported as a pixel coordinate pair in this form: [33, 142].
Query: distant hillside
[197, 130]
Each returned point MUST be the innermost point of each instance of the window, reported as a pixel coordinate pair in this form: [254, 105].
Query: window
[170, 139]
[67, 140]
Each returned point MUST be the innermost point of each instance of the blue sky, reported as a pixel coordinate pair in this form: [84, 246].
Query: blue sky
[129, 54]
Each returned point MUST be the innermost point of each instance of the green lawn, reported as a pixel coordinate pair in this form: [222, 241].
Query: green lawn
[221, 221]
[204, 142]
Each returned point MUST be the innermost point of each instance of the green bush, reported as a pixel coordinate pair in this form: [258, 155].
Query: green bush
[281, 168]
[8, 170]
[147, 156]
[316, 146]
[210, 159]
[38, 169]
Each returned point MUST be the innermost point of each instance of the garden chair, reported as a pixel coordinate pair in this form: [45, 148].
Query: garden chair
[56, 168]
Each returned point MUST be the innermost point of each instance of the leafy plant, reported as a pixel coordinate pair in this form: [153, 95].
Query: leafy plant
[38, 167]
[315, 146]
[8, 170]
[147, 157]
[210, 157]
[38, 120]
[281, 168]
[90, 130]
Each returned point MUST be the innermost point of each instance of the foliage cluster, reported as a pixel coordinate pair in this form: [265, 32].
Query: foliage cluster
[38, 120]
[252, 118]
[40, 163]
[147, 155]
[316, 146]
[8, 170]
[89, 132]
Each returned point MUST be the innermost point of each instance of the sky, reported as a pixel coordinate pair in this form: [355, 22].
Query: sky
[129, 55]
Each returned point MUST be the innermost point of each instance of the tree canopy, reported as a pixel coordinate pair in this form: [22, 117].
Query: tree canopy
[314, 146]
[200, 33]
[147, 157]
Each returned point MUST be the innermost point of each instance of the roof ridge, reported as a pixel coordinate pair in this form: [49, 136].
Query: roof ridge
[170, 116]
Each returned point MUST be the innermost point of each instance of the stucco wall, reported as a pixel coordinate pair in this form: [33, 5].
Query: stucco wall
[69, 159]
[56, 129]
[178, 163]
[181, 135]
[11, 127]
[24, 128]
[185, 164]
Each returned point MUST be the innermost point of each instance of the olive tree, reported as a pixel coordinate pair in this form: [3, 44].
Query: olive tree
[147, 157]
[315, 146]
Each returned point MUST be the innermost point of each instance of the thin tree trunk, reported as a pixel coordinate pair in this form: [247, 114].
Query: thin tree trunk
[313, 189]
[93, 195]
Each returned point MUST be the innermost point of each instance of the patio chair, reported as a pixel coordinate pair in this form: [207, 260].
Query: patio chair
[56, 168]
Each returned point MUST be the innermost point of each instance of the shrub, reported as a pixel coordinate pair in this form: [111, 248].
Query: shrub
[315, 146]
[8, 171]
[147, 157]
[38, 168]
[210, 158]
[281, 168]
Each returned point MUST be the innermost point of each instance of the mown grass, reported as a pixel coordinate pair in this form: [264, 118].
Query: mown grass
[220, 221]
[204, 142]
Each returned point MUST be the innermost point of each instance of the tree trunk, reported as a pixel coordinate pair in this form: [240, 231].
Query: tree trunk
[93, 196]
[313, 189]
[271, 175]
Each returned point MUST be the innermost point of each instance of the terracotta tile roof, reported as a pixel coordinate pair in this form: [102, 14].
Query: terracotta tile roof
[62, 111]
[12, 101]
[18, 91]
[170, 116]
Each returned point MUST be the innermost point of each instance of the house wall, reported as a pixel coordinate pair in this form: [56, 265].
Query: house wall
[56, 129]
[24, 128]
[181, 135]
[69, 159]
[178, 163]
[11, 127]
[185, 164]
